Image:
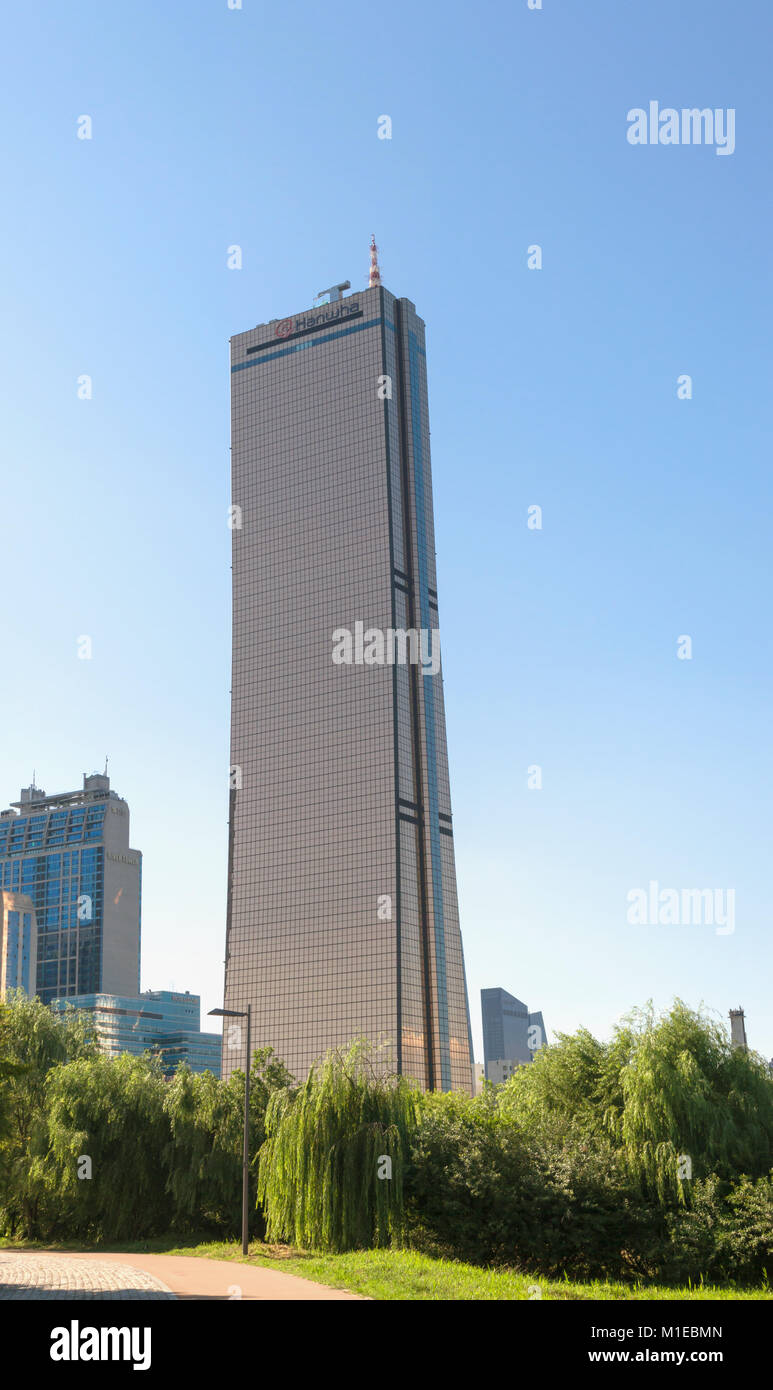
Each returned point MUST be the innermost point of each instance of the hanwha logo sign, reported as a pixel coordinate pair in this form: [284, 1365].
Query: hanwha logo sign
[284, 328]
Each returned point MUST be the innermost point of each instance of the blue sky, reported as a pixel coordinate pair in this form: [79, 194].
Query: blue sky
[258, 127]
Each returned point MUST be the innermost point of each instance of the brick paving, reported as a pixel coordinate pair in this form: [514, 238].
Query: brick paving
[38, 1274]
[64, 1276]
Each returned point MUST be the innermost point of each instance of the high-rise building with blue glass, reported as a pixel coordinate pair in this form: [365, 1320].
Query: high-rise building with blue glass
[70, 855]
[342, 902]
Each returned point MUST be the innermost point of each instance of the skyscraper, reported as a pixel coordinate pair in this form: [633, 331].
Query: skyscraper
[70, 853]
[342, 904]
[511, 1035]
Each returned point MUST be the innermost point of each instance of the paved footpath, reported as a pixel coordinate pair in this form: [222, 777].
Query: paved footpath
[37, 1274]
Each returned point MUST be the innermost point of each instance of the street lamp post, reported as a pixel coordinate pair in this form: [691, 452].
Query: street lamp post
[236, 1013]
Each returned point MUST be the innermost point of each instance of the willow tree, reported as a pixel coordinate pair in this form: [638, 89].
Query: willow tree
[692, 1104]
[331, 1169]
[565, 1091]
[204, 1156]
[670, 1092]
[109, 1111]
[34, 1042]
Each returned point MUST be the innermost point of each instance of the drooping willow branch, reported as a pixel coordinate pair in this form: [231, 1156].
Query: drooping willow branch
[331, 1170]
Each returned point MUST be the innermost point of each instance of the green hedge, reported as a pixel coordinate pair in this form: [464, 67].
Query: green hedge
[482, 1190]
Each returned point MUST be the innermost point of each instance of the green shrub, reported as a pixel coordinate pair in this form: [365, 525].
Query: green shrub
[481, 1189]
[726, 1233]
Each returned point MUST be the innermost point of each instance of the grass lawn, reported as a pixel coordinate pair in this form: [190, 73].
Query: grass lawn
[404, 1274]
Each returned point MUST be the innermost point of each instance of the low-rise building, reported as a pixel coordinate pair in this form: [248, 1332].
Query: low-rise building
[157, 1021]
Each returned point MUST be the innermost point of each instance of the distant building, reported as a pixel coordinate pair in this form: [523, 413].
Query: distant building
[157, 1021]
[738, 1029]
[18, 943]
[70, 854]
[478, 1077]
[511, 1035]
[500, 1070]
[201, 1052]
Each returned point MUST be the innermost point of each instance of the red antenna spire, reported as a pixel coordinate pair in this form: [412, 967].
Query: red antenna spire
[375, 273]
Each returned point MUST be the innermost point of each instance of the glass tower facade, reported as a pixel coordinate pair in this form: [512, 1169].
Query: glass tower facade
[342, 905]
[70, 854]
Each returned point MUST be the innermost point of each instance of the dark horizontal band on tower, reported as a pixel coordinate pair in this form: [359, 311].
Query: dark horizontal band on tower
[299, 347]
[301, 333]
